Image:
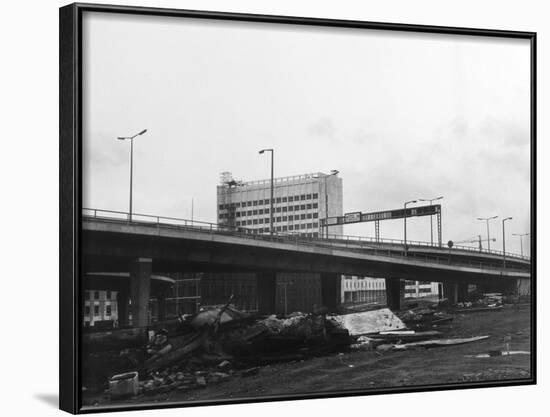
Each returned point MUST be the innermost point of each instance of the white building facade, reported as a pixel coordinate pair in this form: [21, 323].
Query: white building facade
[299, 202]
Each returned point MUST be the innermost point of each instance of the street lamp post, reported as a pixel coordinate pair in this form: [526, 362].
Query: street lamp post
[504, 242]
[271, 194]
[520, 235]
[131, 139]
[405, 224]
[486, 219]
[431, 200]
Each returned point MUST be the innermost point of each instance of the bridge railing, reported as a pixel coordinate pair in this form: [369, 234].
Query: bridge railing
[413, 243]
[351, 243]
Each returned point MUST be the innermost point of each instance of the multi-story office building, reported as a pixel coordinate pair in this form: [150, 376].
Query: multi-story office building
[363, 290]
[299, 202]
[373, 290]
[418, 289]
[100, 306]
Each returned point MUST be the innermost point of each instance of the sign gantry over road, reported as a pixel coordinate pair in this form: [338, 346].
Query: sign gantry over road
[377, 216]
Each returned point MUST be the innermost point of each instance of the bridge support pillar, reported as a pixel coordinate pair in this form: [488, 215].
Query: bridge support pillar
[395, 293]
[331, 291]
[450, 292]
[161, 303]
[266, 289]
[140, 290]
[122, 308]
[462, 292]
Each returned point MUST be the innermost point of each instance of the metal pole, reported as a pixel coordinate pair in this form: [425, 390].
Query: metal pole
[431, 229]
[504, 242]
[271, 200]
[503, 245]
[405, 228]
[131, 173]
[520, 235]
[488, 238]
[326, 208]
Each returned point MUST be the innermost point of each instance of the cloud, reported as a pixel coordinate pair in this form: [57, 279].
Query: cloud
[323, 128]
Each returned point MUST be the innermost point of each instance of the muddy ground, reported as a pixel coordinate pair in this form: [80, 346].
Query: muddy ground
[364, 370]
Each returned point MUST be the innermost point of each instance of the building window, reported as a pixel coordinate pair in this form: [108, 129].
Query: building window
[303, 197]
[315, 205]
[278, 228]
[278, 199]
[255, 203]
[290, 208]
[315, 224]
[238, 214]
[237, 224]
[290, 198]
[309, 206]
[87, 295]
[315, 215]
[303, 226]
[249, 212]
[261, 211]
[255, 212]
[315, 196]
[249, 222]
[285, 218]
[308, 197]
[96, 310]
[290, 227]
[261, 221]
[87, 310]
[302, 207]
[284, 209]
[278, 209]
[266, 220]
[249, 203]
[96, 295]
[296, 208]
[108, 310]
[255, 221]
[309, 215]
[302, 216]
[284, 228]
[266, 211]
[284, 199]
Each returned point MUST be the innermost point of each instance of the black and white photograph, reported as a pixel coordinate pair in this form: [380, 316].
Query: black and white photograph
[273, 209]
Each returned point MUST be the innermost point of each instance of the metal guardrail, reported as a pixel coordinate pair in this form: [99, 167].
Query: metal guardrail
[352, 243]
[413, 243]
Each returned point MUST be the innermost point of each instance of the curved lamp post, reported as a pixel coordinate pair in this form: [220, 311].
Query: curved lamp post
[131, 139]
[486, 219]
[271, 199]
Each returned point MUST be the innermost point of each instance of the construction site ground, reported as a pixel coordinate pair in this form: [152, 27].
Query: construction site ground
[373, 370]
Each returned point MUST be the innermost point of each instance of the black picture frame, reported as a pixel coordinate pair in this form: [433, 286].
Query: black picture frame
[70, 181]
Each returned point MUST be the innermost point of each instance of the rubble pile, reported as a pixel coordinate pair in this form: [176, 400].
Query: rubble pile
[206, 348]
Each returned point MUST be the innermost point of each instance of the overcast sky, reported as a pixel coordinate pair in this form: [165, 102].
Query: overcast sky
[401, 116]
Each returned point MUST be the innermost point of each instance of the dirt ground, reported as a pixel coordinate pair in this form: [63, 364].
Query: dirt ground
[364, 370]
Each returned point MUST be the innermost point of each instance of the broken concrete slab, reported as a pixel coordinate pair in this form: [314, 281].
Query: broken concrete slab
[374, 321]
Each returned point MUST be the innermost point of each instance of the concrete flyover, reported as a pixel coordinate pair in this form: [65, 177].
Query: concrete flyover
[147, 247]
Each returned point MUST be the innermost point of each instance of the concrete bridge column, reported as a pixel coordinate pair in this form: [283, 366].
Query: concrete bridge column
[395, 293]
[450, 292]
[331, 291]
[161, 303]
[266, 290]
[140, 290]
[462, 292]
[122, 307]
